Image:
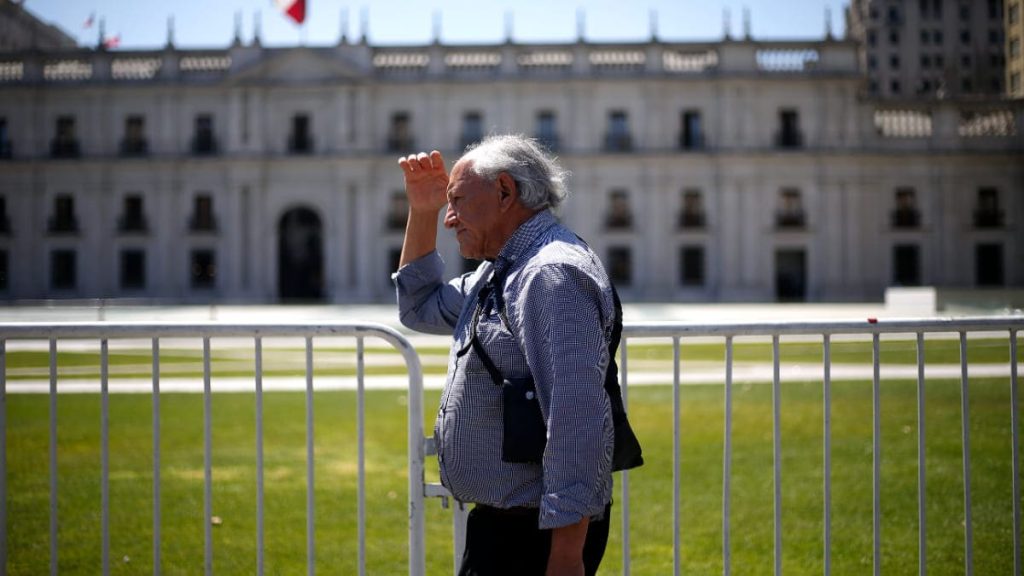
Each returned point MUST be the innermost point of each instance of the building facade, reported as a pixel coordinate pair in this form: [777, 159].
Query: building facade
[722, 171]
[930, 48]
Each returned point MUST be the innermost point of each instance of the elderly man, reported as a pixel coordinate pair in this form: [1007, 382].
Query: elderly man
[532, 322]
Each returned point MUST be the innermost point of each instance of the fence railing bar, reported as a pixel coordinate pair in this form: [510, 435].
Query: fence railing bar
[156, 456]
[966, 444]
[53, 456]
[922, 520]
[827, 417]
[207, 462]
[727, 460]
[3, 457]
[310, 496]
[104, 457]
[361, 464]
[777, 455]
[260, 528]
[624, 480]
[1015, 427]
[876, 458]
[677, 450]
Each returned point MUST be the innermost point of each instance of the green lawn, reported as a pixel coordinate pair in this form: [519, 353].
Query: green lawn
[651, 412]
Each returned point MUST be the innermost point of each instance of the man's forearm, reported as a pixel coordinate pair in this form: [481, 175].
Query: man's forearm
[420, 236]
[566, 556]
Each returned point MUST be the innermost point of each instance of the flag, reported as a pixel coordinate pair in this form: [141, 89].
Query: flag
[88, 21]
[112, 42]
[294, 9]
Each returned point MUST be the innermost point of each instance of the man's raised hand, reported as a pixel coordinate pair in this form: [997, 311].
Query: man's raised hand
[426, 181]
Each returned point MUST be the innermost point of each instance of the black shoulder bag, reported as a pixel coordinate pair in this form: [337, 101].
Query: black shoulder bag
[525, 433]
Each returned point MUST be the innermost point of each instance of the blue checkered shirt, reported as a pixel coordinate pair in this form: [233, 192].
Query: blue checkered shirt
[559, 306]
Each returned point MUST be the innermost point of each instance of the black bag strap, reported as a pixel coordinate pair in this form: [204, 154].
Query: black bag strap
[493, 286]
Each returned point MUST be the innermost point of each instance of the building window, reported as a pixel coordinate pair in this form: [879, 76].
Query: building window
[620, 216]
[134, 142]
[133, 216]
[905, 214]
[895, 87]
[692, 214]
[398, 212]
[894, 62]
[692, 130]
[987, 213]
[925, 37]
[620, 265]
[203, 268]
[1015, 85]
[937, 37]
[63, 219]
[937, 8]
[203, 219]
[203, 140]
[1014, 47]
[872, 62]
[547, 130]
[65, 141]
[472, 129]
[1013, 15]
[5, 220]
[789, 134]
[618, 137]
[4, 269]
[400, 134]
[906, 265]
[133, 269]
[691, 265]
[894, 37]
[966, 85]
[995, 9]
[872, 38]
[926, 61]
[988, 264]
[63, 275]
[790, 213]
[300, 140]
[940, 60]
[965, 13]
[6, 148]
[994, 37]
[965, 60]
[965, 37]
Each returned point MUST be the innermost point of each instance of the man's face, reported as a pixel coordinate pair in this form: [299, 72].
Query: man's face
[473, 213]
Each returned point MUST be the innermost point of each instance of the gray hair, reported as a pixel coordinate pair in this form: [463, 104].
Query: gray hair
[539, 177]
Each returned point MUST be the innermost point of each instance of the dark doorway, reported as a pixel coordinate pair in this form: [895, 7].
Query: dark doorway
[300, 262]
[988, 264]
[790, 275]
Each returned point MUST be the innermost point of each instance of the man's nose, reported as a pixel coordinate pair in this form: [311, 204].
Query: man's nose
[450, 218]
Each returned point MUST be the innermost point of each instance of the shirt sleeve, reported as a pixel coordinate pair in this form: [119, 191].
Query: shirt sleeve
[563, 331]
[425, 302]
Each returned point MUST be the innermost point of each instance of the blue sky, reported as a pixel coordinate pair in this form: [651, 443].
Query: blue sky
[211, 23]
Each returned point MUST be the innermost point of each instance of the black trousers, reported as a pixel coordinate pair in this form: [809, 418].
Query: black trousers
[500, 542]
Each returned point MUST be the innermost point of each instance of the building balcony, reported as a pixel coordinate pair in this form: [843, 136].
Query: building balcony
[62, 225]
[691, 142]
[988, 218]
[790, 220]
[204, 224]
[694, 220]
[789, 139]
[134, 147]
[401, 144]
[132, 225]
[64, 148]
[204, 146]
[300, 144]
[617, 142]
[906, 219]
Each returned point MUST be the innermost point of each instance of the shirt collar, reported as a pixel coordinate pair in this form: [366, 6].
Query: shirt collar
[522, 239]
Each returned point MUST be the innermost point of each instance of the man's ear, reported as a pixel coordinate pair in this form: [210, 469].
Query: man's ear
[507, 191]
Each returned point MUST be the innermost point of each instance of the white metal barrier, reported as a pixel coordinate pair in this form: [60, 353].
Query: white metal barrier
[676, 332]
[154, 332]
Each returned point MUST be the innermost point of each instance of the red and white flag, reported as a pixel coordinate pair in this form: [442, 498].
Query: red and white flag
[294, 9]
[112, 42]
[88, 21]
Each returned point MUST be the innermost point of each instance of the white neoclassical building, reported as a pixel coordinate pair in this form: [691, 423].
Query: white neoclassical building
[722, 171]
